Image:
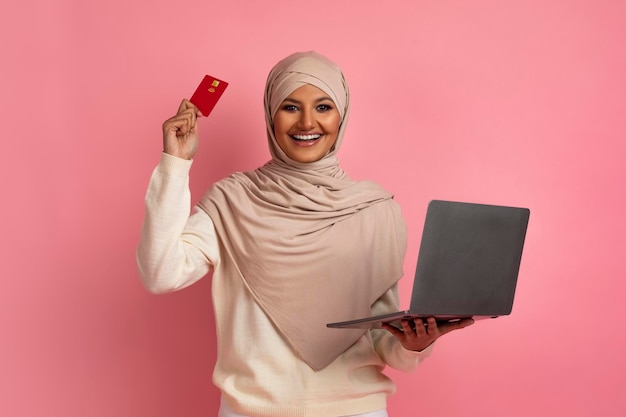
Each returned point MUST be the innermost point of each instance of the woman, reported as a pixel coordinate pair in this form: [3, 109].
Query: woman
[293, 245]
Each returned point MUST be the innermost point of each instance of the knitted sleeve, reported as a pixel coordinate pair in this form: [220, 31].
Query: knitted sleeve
[175, 249]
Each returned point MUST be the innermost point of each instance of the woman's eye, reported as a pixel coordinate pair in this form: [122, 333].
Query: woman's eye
[290, 108]
[324, 108]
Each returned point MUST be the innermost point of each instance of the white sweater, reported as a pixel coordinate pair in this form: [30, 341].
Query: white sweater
[256, 370]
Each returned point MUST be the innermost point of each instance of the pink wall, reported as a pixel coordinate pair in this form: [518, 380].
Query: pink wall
[518, 103]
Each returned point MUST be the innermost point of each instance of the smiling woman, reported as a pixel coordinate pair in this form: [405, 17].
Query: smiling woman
[281, 240]
[306, 124]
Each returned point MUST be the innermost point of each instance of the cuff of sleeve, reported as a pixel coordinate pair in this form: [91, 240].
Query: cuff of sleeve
[175, 166]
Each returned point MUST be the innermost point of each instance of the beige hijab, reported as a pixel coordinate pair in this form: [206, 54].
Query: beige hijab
[312, 245]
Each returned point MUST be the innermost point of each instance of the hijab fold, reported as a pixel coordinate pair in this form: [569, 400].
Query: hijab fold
[312, 245]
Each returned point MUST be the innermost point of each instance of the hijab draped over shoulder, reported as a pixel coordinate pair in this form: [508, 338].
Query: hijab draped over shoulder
[312, 245]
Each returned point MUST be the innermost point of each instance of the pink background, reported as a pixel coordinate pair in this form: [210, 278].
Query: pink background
[505, 102]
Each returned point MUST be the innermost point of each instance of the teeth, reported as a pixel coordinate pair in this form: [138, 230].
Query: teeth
[306, 137]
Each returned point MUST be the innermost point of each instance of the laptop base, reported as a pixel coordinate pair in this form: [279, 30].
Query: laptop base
[396, 318]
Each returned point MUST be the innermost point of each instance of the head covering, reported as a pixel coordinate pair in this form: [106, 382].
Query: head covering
[292, 73]
[311, 244]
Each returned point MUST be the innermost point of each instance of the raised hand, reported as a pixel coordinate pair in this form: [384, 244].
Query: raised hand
[180, 132]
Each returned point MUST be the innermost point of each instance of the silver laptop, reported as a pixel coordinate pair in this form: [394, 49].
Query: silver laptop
[467, 265]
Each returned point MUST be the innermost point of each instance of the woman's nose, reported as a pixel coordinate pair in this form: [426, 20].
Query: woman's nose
[307, 120]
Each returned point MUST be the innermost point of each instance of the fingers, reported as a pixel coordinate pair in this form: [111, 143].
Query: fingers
[180, 132]
[184, 121]
[432, 328]
[416, 327]
[413, 328]
[187, 105]
[179, 125]
[417, 334]
[392, 329]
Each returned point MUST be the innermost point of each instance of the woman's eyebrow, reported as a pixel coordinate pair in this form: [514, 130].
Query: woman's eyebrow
[294, 101]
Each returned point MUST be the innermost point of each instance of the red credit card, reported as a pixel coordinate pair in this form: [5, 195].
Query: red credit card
[208, 92]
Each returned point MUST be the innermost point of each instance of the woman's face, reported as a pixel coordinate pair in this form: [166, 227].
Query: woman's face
[306, 124]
